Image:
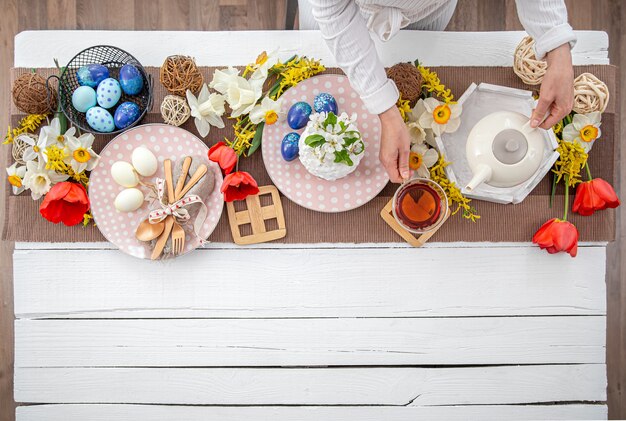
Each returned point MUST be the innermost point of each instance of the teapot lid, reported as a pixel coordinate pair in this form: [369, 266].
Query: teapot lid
[503, 142]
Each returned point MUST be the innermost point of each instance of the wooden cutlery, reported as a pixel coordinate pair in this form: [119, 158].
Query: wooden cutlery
[169, 225]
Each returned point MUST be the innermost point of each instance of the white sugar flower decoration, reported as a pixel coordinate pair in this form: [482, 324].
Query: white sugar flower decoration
[584, 129]
[39, 180]
[80, 154]
[268, 111]
[243, 95]
[207, 110]
[438, 116]
[223, 79]
[16, 177]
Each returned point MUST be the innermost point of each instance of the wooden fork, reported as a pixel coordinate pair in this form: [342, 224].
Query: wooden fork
[178, 233]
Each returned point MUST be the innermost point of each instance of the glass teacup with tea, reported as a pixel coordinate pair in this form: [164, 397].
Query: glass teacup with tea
[420, 205]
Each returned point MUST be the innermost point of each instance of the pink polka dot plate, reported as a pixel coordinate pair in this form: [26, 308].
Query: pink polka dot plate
[307, 190]
[165, 142]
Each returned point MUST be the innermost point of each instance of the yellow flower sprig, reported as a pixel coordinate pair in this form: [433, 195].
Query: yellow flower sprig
[433, 85]
[438, 175]
[245, 131]
[293, 72]
[572, 160]
[56, 161]
[404, 107]
[28, 124]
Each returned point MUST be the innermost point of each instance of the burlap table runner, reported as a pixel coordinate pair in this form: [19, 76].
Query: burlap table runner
[508, 223]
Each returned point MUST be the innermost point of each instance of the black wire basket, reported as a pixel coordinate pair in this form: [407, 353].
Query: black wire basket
[113, 58]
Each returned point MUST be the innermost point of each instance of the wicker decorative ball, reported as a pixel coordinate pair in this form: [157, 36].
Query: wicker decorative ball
[179, 73]
[30, 94]
[408, 80]
[590, 94]
[526, 65]
[174, 110]
[20, 145]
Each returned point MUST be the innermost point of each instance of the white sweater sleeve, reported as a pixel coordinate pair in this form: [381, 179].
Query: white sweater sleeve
[348, 38]
[546, 22]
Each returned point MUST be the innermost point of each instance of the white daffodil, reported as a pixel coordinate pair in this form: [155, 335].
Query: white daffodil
[223, 79]
[268, 110]
[263, 64]
[52, 133]
[80, 155]
[16, 177]
[243, 95]
[416, 132]
[422, 158]
[439, 116]
[584, 129]
[48, 136]
[39, 180]
[207, 110]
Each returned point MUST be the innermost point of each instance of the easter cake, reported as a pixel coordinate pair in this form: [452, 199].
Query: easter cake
[331, 146]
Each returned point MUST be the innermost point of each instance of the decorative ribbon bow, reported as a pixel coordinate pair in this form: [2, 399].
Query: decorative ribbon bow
[177, 209]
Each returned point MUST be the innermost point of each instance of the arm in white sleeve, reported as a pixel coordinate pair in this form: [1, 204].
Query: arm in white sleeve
[546, 22]
[348, 38]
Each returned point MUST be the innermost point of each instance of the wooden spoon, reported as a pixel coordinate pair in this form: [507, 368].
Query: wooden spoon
[147, 231]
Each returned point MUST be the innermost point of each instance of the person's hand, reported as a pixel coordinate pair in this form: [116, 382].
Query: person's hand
[556, 96]
[394, 145]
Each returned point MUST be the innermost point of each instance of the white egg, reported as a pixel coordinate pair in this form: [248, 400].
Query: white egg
[144, 161]
[129, 200]
[124, 174]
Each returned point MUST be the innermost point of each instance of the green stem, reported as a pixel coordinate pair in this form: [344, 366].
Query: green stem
[588, 171]
[566, 197]
[553, 192]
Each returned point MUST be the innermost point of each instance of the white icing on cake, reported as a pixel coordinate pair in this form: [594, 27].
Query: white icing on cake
[320, 159]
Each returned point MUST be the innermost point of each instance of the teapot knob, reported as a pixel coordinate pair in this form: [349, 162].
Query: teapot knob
[512, 145]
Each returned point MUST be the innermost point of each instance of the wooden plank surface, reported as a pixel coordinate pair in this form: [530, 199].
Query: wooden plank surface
[338, 283]
[309, 342]
[314, 386]
[451, 48]
[117, 412]
[204, 14]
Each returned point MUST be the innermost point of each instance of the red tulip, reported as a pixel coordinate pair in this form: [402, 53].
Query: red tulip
[238, 186]
[594, 195]
[224, 155]
[557, 235]
[65, 202]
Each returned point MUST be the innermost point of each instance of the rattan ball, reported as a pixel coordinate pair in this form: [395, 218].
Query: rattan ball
[526, 65]
[408, 80]
[19, 146]
[175, 110]
[590, 94]
[30, 94]
[179, 73]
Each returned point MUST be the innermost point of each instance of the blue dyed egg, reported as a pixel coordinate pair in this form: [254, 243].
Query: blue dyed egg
[126, 114]
[130, 79]
[298, 115]
[100, 120]
[92, 74]
[109, 93]
[325, 102]
[289, 148]
[83, 98]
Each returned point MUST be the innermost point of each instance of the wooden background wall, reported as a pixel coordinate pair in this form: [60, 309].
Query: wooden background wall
[471, 15]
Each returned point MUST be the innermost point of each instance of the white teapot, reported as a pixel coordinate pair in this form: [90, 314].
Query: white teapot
[503, 150]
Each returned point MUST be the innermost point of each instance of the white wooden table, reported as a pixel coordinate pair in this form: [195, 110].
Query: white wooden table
[308, 332]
